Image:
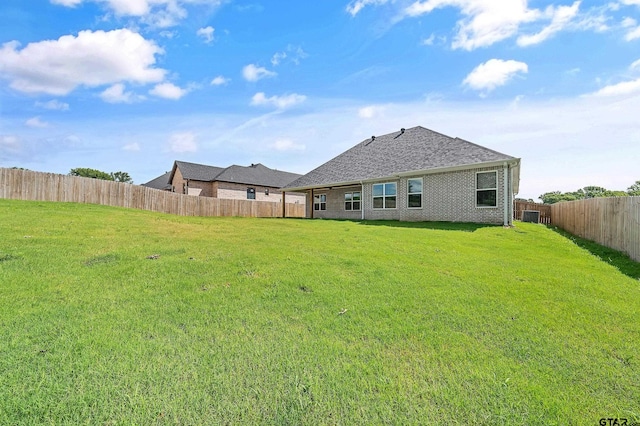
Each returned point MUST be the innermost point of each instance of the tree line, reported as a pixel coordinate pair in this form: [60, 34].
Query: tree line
[98, 174]
[588, 192]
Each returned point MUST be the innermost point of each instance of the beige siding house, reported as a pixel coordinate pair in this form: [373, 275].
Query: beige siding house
[413, 175]
[254, 182]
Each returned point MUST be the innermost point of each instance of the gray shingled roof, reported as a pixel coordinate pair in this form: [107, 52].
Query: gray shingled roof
[161, 182]
[416, 149]
[256, 174]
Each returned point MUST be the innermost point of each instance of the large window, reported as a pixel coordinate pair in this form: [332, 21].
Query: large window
[320, 202]
[414, 193]
[352, 200]
[384, 195]
[251, 193]
[487, 189]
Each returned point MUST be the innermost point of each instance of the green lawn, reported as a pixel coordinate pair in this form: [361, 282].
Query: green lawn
[289, 321]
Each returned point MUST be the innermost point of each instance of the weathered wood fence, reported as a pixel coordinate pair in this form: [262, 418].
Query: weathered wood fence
[544, 209]
[613, 222]
[27, 185]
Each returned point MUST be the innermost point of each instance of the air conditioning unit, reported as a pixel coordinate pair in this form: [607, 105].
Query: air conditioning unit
[532, 216]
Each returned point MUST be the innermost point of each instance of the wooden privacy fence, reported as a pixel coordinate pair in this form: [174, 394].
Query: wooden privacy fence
[27, 185]
[613, 222]
[544, 209]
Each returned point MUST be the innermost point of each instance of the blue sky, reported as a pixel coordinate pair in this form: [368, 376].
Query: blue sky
[132, 85]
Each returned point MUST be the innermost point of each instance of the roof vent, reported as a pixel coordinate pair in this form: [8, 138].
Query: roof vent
[373, 138]
[401, 133]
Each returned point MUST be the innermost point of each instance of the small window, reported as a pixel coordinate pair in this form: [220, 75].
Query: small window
[251, 193]
[320, 202]
[414, 193]
[266, 191]
[487, 189]
[384, 195]
[352, 200]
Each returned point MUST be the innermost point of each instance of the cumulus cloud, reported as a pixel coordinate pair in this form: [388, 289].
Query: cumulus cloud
[370, 111]
[116, 94]
[287, 145]
[560, 18]
[91, 59]
[280, 102]
[10, 146]
[623, 88]
[168, 91]
[54, 105]
[494, 73]
[277, 57]
[252, 73]
[36, 123]
[181, 142]
[158, 13]
[632, 27]
[206, 33]
[220, 81]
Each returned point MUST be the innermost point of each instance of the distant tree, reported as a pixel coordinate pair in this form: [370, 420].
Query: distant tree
[581, 194]
[121, 177]
[634, 190]
[524, 200]
[90, 173]
[557, 196]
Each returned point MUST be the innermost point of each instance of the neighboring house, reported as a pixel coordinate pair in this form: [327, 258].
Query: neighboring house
[413, 175]
[161, 182]
[255, 182]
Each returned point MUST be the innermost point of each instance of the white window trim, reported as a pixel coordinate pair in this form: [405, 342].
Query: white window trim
[320, 203]
[359, 201]
[384, 196]
[414, 193]
[485, 189]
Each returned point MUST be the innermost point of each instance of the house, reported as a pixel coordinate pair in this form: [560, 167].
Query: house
[255, 182]
[413, 175]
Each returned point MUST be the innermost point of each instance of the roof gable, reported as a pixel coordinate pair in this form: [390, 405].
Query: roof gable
[161, 182]
[414, 149]
[256, 174]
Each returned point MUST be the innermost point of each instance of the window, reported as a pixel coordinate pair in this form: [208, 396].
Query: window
[320, 202]
[251, 193]
[487, 189]
[352, 201]
[414, 193]
[384, 195]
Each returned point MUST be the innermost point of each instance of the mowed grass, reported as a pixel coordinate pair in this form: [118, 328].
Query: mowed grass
[288, 321]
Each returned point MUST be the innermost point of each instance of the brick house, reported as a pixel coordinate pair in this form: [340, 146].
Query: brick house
[255, 182]
[413, 175]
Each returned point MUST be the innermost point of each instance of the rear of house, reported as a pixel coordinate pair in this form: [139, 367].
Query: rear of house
[413, 175]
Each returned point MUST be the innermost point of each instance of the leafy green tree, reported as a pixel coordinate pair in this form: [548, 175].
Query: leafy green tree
[121, 177]
[90, 173]
[557, 196]
[634, 190]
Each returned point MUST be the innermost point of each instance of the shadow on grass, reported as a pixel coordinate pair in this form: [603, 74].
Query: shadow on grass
[615, 258]
[441, 226]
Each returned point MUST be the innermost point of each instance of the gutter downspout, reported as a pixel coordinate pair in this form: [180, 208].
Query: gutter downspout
[506, 193]
[362, 199]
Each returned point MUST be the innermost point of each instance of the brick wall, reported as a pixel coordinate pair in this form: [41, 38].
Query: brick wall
[449, 196]
[236, 191]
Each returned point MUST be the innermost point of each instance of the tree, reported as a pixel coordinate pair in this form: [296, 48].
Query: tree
[634, 190]
[121, 177]
[557, 196]
[90, 173]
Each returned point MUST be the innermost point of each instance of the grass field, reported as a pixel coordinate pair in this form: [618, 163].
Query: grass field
[114, 316]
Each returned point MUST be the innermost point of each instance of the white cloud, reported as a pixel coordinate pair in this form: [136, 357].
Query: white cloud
[631, 2]
[485, 22]
[116, 94]
[355, 6]
[635, 66]
[220, 81]
[206, 33]
[91, 59]
[494, 73]
[253, 73]
[429, 41]
[36, 122]
[168, 91]
[10, 146]
[560, 17]
[633, 34]
[370, 111]
[286, 145]
[277, 57]
[132, 147]
[53, 104]
[280, 102]
[183, 142]
[619, 89]
[157, 13]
